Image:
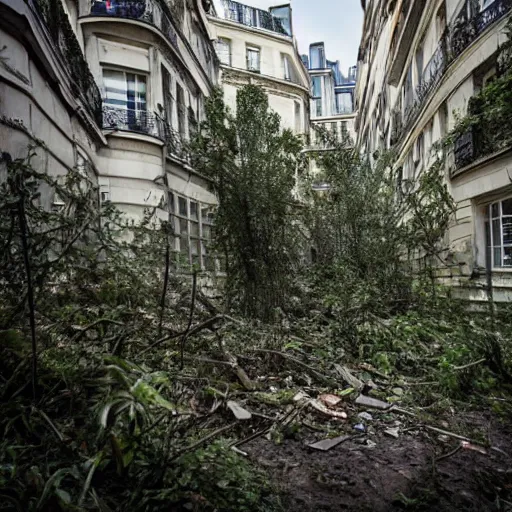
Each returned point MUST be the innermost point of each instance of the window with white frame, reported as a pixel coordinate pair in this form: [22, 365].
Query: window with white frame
[298, 124]
[124, 90]
[499, 231]
[193, 226]
[224, 50]
[286, 67]
[253, 59]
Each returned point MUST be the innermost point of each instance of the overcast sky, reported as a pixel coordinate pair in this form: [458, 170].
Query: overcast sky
[336, 22]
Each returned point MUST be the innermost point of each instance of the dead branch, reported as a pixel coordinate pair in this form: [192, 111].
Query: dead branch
[207, 324]
[324, 378]
[232, 360]
[191, 315]
[449, 454]
[166, 283]
[469, 365]
[195, 445]
[83, 330]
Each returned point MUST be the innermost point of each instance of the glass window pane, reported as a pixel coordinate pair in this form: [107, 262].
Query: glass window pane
[194, 229]
[507, 206]
[507, 257]
[171, 202]
[183, 225]
[507, 230]
[183, 207]
[317, 86]
[495, 210]
[114, 83]
[193, 210]
[496, 232]
[497, 256]
[207, 232]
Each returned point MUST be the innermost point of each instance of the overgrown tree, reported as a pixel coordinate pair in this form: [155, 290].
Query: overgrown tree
[252, 162]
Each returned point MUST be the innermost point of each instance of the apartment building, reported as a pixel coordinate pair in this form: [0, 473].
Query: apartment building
[258, 47]
[47, 93]
[119, 85]
[420, 62]
[332, 94]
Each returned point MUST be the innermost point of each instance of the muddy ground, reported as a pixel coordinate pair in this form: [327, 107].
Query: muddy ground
[376, 472]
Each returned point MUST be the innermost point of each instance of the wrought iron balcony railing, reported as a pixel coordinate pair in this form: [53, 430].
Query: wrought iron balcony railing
[459, 36]
[153, 12]
[149, 123]
[140, 121]
[252, 17]
[83, 84]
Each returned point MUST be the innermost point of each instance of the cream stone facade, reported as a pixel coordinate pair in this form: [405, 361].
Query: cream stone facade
[258, 47]
[47, 95]
[116, 87]
[155, 65]
[420, 61]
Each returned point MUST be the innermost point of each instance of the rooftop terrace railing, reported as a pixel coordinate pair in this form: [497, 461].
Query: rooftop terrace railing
[252, 17]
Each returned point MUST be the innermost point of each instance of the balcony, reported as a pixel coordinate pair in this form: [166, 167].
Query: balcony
[83, 85]
[147, 123]
[456, 38]
[252, 17]
[154, 12]
[138, 121]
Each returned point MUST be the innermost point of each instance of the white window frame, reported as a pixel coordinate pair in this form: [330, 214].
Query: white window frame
[223, 45]
[137, 74]
[257, 51]
[501, 246]
[286, 67]
[201, 240]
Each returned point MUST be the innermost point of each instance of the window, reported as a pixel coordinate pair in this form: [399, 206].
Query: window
[318, 107]
[224, 51]
[123, 90]
[180, 98]
[298, 124]
[317, 86]
[419, 63]
[408, 90]
[253, 59]
[167, 93]
[286, 67]
[317, 56]
[499, 237]
[344, 103]
[344, 129]
[193, 226]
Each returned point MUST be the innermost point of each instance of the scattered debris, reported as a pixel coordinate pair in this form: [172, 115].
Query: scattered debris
[372, 402]
[365, 416]
[397, 391]
[239, 412]
[392, 432]
[345, 374]
[359, 427]
[320, 407]
[468, 446]
[327, 444]
[329, 400]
